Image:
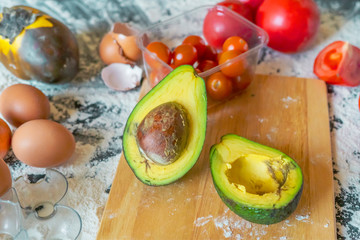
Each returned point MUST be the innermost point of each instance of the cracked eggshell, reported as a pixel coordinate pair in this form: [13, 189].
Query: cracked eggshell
[110, 51]
[121, 77]
[119, 45]
[125, 35]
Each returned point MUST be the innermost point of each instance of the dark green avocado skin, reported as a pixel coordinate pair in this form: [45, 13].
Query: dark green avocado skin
[261, 216]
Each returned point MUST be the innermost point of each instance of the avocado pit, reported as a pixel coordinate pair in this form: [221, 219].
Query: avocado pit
[162, 135]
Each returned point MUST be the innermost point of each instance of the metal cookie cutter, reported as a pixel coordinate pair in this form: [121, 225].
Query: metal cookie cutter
[32, 209]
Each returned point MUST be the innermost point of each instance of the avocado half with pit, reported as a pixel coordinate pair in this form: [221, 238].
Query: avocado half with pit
[258, 183]
[165, 132]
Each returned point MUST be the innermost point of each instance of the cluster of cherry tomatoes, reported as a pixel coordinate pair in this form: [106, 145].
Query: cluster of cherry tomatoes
[194, 51]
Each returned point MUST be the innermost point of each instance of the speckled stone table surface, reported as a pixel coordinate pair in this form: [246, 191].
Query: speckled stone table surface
[96, 114]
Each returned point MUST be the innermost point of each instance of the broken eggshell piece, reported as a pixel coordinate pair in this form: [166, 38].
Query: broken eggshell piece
[121, 77]
[119, 45]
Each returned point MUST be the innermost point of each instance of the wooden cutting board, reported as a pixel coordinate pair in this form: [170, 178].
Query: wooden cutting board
[286, 113]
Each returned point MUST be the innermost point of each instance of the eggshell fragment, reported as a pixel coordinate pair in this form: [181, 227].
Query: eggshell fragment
[43, 143]
[119, 45]
[121, 77]
[126, 37]
[110, 51]
[20, 103]
[5, 178]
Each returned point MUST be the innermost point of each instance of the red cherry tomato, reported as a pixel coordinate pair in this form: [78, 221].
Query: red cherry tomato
[234, 68]
[221, 23]
[339, 63]
[291, 24]
[157, 75]
[5, 138]
[184, 54]
[235, 43]
[218, 86]
[238, 7]
[206, 65]
[161, 51]
[219, 56]
[197, 42]
[241, 82]
[209, 54]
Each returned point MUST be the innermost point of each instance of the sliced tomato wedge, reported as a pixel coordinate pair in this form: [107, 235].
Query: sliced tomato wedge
[339, 64]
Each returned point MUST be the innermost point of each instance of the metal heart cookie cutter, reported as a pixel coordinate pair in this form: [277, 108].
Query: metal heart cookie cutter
[32, 209]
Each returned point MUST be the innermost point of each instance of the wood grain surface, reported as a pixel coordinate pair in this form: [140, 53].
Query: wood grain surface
[286, 113]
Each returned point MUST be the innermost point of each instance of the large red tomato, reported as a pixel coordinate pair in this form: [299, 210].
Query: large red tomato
[239, 8]
[254, 4]
[221, 23]
[291, 24]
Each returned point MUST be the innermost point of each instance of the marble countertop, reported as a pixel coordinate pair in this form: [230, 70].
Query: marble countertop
[96, 114]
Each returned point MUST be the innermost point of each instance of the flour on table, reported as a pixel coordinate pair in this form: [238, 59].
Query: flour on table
[302, 218]
[261, 120]
[201, 221]
[229, 224]
[287, 101]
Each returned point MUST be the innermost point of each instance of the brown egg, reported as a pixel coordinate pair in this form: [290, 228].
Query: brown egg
[5, 178]
[119, 45]
[5, 138]
[20, 103]
[43, 143]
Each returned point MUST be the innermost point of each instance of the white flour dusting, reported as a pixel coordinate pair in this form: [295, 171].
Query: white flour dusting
[261, 120]
[201, 221]
[233, 227]
[230, 224]
[287, 101]
[303, 218]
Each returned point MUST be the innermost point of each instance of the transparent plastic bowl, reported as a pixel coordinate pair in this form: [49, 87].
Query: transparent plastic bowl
[174, 30]
[31, 209]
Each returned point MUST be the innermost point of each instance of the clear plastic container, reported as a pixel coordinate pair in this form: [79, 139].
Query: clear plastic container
[174, 30]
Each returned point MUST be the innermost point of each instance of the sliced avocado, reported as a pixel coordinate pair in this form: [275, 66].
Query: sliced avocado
[258, 183]
[165, 132]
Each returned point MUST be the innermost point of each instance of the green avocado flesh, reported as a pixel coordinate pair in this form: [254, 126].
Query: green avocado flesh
[165, 132]
[258, 183]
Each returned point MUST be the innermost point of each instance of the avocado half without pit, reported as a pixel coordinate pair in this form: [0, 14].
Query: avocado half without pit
[258, 183]
[165, 132]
